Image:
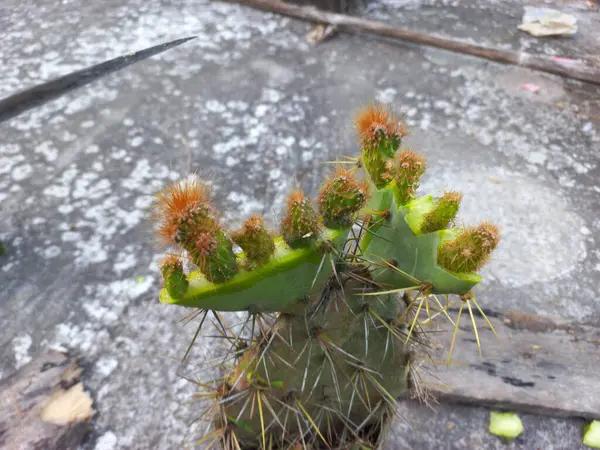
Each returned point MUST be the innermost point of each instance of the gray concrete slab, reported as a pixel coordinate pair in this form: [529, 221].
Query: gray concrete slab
[254, 106]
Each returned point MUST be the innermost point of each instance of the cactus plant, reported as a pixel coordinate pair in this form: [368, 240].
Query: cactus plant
[336, 301]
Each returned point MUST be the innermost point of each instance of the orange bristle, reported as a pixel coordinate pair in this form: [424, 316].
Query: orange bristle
[174, 203]
[296, 197]
[375, 118]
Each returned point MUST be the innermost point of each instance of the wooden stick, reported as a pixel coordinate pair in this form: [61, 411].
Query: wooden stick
[565, 67]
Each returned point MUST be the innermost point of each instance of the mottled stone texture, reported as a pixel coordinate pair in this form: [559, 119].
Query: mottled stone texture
[256, 108]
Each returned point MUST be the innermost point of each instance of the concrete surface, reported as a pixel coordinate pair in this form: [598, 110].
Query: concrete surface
[254, 106]
[493, 23]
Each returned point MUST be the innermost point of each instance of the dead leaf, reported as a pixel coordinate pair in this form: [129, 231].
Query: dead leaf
[541, 22]
[68, 406]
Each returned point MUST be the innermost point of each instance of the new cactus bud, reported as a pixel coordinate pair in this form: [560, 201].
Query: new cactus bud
[408, 167]
[342, 196]
[185, 217]
[176, 282]
[470, 249]
[443, 213]
[174, 204]
[255, 240]
[215, 258]
[301, 224]
[380, 135]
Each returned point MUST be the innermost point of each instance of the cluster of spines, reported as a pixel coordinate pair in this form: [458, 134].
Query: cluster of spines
[301, 225]
[341, 198]
[185, 218]
[470, 250]
[443, 214]
[256, 241]
[380, 136]
[176, 281]
[405, 170]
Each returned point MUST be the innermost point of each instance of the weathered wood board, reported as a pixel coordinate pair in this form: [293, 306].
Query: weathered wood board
[537, 364]
[43, 406]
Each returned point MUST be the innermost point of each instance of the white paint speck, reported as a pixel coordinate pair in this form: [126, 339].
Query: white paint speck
[108, 441]
[271, 95]
[57, 191]
[125, 260]
[143, 201]
[137, 141]
[106, 366]
[47, 150]
[275, 174]
[21, 345]
[215, 106]
[386, 95]
[307, 155]
[21, 172]
[51, 252]
[536, 157]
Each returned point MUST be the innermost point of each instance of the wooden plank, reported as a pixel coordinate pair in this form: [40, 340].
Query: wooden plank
[43, 405]
[538, 364]
[580, 69]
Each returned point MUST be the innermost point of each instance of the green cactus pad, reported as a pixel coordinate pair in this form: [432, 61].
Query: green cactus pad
[415, 255]
[288, 276]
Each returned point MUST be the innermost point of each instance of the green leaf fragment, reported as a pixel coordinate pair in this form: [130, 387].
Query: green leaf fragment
[140, 279]
[505, 425]
[591, 434]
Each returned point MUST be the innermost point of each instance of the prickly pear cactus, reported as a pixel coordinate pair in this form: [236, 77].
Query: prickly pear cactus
[335, 299]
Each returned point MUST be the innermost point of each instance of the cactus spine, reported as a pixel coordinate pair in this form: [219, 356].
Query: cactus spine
[334, 302]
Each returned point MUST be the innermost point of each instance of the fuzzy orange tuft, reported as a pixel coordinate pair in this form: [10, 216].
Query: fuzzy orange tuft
[296, 197]
[254, 224]
[175, 203]
[372, 120]
[170, 260]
